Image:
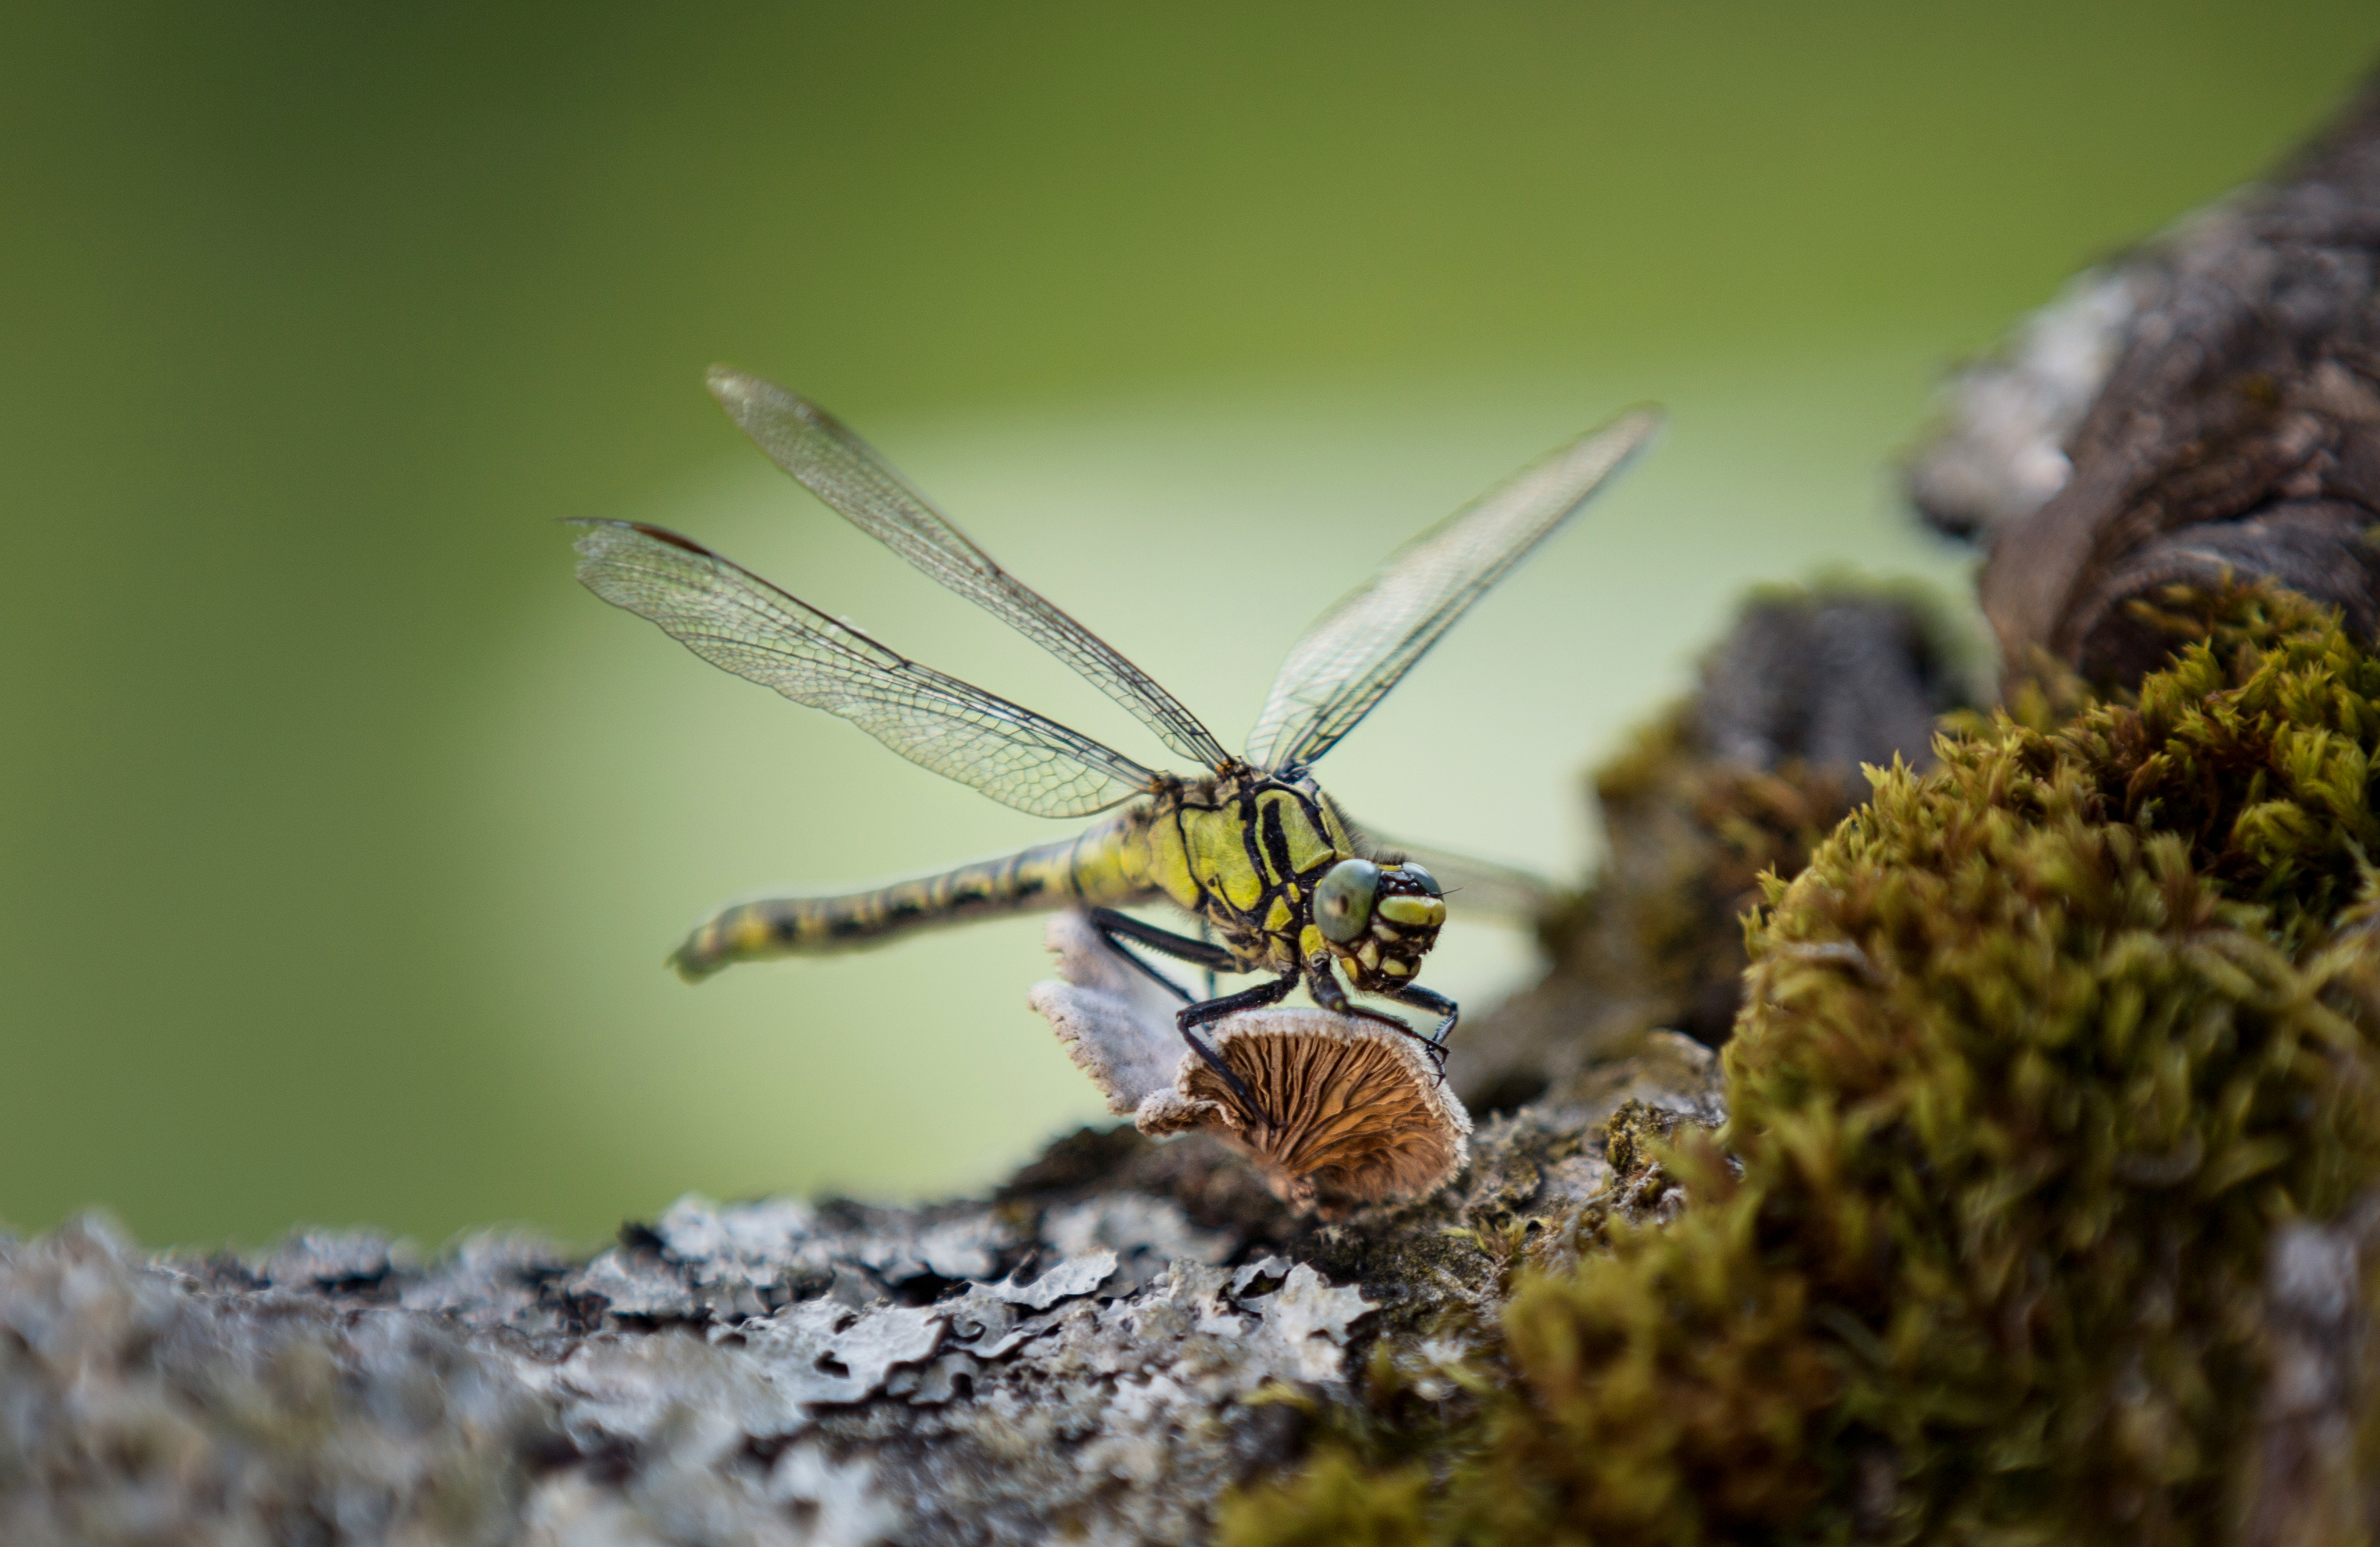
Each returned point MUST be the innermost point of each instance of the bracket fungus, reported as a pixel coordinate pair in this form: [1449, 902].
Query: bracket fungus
[1348, 1112]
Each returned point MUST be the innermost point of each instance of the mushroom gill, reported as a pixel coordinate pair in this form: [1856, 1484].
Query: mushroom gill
[1352, 1112]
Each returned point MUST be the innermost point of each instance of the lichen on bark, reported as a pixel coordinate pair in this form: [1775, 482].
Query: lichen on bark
[1099, 1351]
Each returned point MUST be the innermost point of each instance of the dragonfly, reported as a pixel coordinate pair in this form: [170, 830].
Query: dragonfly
[1278, 879]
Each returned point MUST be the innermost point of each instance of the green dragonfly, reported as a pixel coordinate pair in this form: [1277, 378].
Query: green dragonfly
[1278, 879]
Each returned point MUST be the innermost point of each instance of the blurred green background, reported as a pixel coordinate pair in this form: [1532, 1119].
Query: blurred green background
[343, 835]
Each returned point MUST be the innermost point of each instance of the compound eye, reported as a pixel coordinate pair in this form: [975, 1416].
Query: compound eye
[1343, 903]
[1428, 881]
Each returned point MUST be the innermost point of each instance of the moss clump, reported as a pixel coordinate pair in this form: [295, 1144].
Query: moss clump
[2036, 1053]
[1744, 777]
[1336, 1503]
[1701, 834]
[1633, 1137]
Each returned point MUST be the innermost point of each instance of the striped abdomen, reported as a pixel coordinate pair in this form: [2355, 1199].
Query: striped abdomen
[1105, 865]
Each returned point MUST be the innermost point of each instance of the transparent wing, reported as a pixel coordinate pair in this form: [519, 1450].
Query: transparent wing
[1356, 651]
[733, 618]
[847, 472]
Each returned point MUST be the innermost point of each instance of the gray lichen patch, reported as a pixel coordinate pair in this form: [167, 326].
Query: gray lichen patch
[1097, 1353]
[700, 1263]
[1122, 1419]
[138, 1394]
[135, 1406]
[987, 1415]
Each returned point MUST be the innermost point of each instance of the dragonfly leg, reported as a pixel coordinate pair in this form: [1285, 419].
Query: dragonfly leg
[1191, 1017]
[1116, 927]
[1323, 984]
[1421, 998]
[1436, 1004]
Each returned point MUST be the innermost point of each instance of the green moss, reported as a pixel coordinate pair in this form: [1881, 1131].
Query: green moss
[1654, 941]
[1690, 838]
[1718, 827]
[1633, 1137]
[1333, 1504]
[2036, 1053]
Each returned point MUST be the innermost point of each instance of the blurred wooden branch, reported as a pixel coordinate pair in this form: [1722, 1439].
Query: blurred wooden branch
[2207, 404]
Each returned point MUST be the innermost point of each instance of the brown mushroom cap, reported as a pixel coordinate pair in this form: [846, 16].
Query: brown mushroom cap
[1351, 1110]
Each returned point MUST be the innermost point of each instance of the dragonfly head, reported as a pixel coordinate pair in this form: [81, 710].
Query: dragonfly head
[1380, 920]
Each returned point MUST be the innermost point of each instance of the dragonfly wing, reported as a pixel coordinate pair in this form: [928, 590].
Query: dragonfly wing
[847, 474]
[1358, 650]
[733, 619]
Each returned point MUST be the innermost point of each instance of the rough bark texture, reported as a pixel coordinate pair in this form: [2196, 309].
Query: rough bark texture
[2210, 404]
[2313, 1484]
[1092, 1354]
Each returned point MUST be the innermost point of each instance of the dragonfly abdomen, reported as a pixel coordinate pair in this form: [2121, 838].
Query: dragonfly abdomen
[1106, 865]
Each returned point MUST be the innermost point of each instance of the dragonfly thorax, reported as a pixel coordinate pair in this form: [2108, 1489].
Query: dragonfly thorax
[1269, 866]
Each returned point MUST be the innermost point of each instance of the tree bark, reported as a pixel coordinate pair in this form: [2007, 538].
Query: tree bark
[2207, 406]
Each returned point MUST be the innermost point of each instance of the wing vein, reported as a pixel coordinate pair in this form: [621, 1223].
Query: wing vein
[848, 474]
[738, 621]
[1358, 650]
